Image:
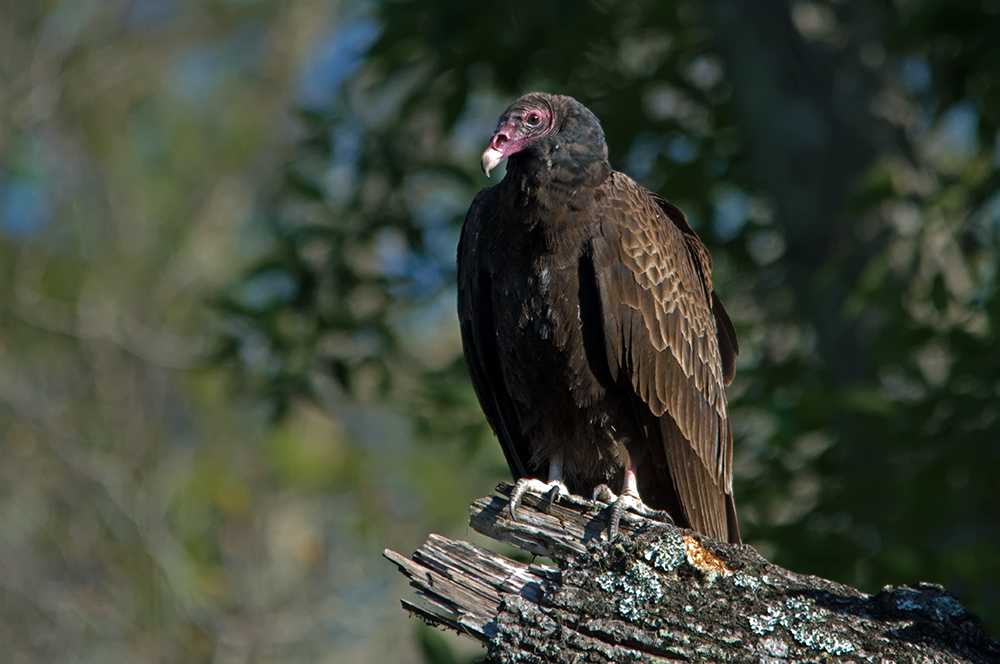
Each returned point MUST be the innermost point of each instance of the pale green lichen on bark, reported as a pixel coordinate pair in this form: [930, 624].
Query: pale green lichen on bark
[744, 580]
[651, 595]
[762, 624]
[632, 591]
[666, 553]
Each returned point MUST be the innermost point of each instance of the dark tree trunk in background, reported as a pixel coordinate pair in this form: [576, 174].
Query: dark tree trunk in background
[805, 107]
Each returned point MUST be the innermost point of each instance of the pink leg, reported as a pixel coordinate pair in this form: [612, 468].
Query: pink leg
[628, 499]
[630, 487]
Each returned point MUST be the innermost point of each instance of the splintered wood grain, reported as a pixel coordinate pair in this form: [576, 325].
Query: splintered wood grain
[657, 593]
[466, 581]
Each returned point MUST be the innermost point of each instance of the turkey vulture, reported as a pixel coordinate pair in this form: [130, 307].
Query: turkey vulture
[596, 346]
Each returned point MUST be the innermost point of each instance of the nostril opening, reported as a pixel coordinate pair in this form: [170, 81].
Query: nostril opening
[499, 140]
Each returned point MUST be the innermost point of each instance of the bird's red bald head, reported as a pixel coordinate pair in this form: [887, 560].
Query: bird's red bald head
[532, 116]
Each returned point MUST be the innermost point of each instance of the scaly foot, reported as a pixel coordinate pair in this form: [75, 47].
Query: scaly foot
[627, 501]
[551, 490]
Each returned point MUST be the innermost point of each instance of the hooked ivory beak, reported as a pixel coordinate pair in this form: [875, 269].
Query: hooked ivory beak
[491, 158]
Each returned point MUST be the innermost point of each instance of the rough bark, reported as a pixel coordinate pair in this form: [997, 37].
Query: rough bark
[657, 593]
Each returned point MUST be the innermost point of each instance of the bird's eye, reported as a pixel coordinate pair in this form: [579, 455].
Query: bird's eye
[533, 120]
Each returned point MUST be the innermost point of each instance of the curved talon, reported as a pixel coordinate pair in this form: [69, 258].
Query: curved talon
[554, 492]
[551, 490]
[633, 504]
[515, 498]
[603, 493]
[614, 518]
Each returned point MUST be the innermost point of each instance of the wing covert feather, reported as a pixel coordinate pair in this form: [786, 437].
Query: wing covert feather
[663, 329]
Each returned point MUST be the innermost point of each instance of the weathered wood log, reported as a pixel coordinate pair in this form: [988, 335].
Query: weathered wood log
[657, 593]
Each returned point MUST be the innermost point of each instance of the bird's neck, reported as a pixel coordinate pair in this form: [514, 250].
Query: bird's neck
[551, 191]
[559, 165]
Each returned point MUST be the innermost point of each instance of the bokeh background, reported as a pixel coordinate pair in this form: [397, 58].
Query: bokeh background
[230, 372]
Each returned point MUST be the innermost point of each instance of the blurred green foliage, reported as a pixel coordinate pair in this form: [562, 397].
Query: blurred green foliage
[170, 227]
[840, 159]
[149, 512]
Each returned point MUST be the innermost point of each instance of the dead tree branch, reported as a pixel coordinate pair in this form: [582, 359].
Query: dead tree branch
[662, 594]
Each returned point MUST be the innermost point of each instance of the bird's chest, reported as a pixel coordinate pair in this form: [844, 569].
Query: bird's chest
[536, 304]
[535, 277]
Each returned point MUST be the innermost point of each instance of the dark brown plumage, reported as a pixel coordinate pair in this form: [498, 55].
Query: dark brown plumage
[596, 345]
